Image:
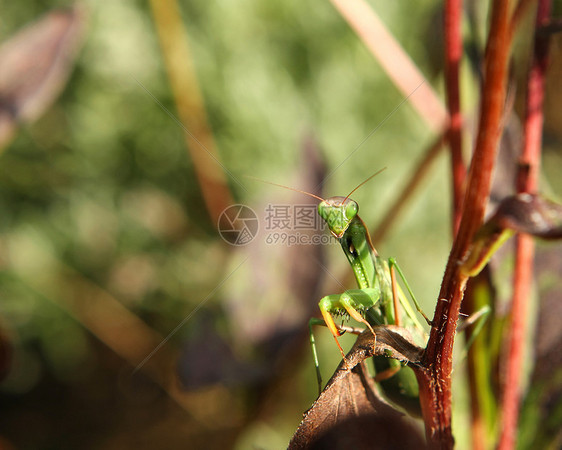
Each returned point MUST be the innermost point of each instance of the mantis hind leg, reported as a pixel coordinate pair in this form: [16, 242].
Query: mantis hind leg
[398, 383]
[392, 264]
[392, 370]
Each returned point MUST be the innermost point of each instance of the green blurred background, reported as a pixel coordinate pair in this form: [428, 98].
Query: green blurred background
[105, 236]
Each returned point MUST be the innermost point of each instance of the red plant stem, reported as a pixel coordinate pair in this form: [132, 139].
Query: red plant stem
[435, 380]
[529, 163]
[419, 173]
[453, 54]
[524, 254]
[527, 181]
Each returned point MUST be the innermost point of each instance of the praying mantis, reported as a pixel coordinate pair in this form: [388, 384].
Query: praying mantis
[375, 302]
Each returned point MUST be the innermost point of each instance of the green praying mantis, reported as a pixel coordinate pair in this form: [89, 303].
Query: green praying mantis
[375, 302]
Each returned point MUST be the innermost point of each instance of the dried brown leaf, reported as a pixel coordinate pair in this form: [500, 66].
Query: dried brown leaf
[532, 214]
[521, 213]
[351, 396]
[34, 66]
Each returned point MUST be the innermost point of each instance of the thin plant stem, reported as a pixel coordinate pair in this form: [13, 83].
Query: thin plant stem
[435, 380]
[527, 181]
[395, 61]
[519, 13]
[190, 106]
[453, 55]
[419, 173]
[522, 279]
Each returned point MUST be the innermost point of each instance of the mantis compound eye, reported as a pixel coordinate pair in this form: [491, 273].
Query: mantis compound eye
[351, 209]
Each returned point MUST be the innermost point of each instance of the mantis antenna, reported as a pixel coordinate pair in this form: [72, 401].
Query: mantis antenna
[316, 196]
[289, 188]
[362, 183]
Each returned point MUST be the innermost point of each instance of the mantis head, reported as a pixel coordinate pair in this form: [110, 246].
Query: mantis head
[338, 212]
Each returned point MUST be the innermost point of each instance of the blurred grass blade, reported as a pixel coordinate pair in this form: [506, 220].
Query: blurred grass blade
[35, 64]
[98, 311]
[190, 106]
[395, 61]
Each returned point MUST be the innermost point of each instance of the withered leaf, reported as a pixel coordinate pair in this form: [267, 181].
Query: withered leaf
[351, 396]
[34, 67]
[371, 432]
[532, 214]
[521, 213]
